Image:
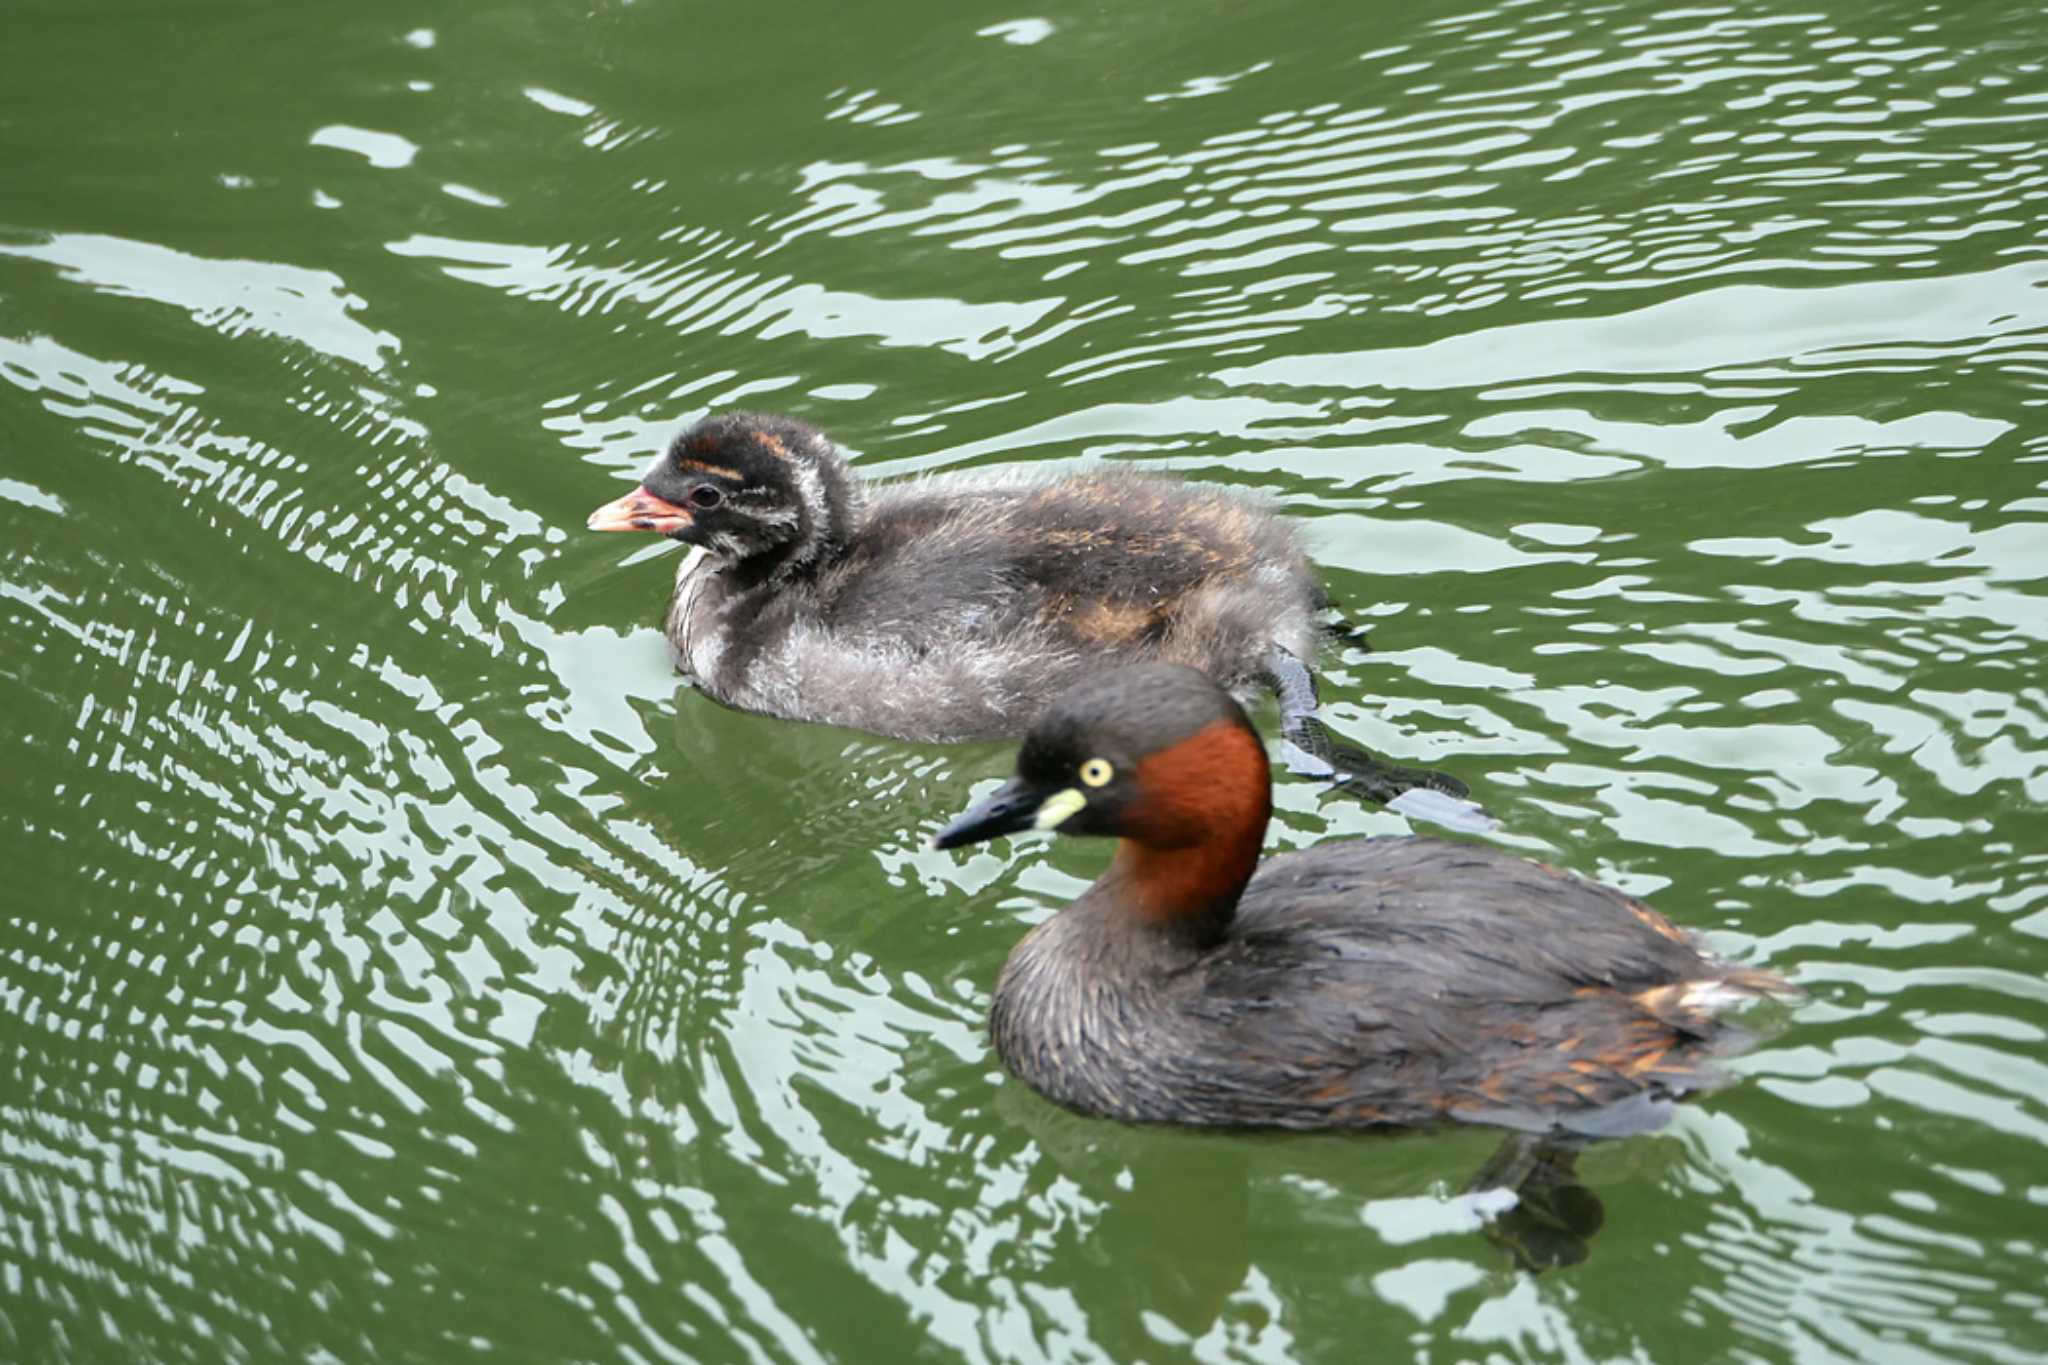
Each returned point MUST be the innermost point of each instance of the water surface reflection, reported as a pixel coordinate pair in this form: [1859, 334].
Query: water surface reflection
[402, 966]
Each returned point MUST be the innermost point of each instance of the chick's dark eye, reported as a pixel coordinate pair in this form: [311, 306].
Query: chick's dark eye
[704, 495]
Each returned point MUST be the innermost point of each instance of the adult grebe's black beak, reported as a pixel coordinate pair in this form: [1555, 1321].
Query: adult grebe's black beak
[1017, 805]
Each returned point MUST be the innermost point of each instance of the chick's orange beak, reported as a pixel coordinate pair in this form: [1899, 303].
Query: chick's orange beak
[640, 510]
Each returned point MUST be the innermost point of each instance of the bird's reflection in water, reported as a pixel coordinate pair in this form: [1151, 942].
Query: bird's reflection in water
[1553, 1218]
[1175, 1235]
[1182, 1231]
[1174, 1232]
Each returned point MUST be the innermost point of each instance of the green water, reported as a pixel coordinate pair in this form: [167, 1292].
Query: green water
[399, 965]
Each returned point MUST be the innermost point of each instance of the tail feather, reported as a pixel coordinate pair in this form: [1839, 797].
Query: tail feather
[1694, 1006]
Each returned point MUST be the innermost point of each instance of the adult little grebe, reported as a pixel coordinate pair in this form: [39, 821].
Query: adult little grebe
[1360, 983]
[950, 609]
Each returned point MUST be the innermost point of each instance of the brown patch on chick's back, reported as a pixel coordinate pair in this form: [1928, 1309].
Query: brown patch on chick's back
[1144, 517]
[1123, 539]
[1106, 623]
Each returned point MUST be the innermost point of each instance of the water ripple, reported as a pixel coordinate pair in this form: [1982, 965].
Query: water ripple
[403, 966]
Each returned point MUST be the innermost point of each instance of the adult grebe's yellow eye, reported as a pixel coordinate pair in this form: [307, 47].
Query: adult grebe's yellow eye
[1096, 772]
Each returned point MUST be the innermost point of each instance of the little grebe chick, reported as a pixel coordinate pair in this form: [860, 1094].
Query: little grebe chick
[951, 609]
[1361, 983]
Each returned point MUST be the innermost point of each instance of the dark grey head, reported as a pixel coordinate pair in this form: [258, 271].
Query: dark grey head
[769, 492]
[1153, 752]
